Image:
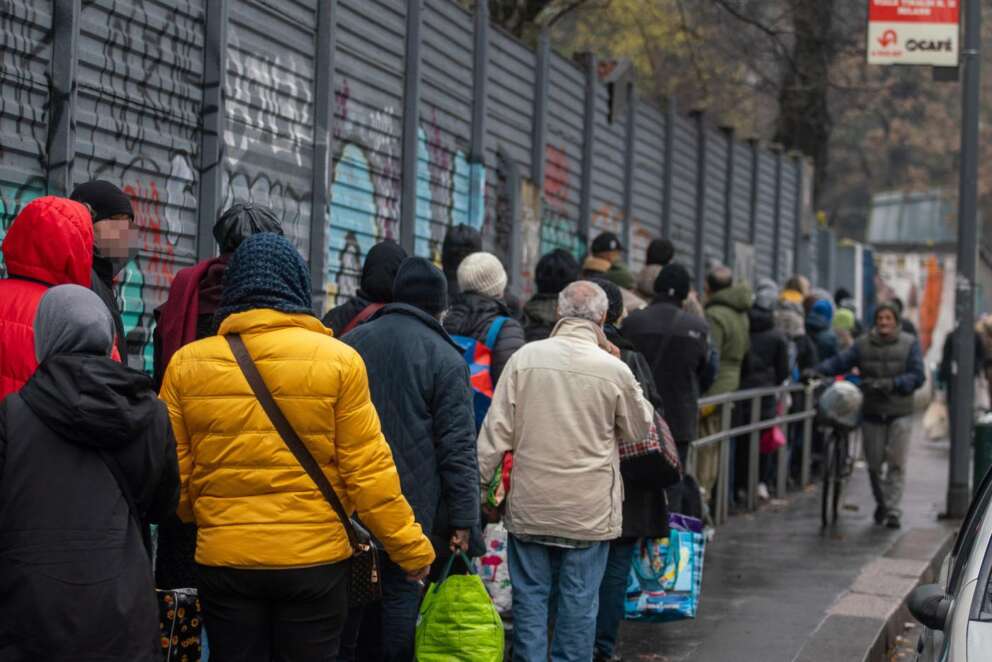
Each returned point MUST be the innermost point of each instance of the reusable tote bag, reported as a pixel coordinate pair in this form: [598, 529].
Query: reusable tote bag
[458, 620]
[666, 574]
[493, 567]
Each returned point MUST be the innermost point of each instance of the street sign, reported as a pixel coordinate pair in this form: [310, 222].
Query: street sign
[913, 32]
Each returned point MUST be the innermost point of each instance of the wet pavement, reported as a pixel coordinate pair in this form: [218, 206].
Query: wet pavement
[770, 578]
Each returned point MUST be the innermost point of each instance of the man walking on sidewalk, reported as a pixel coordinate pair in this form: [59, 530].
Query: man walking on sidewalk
[559, 407]
[891, 366]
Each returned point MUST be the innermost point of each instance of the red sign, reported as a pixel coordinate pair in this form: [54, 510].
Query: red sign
[913, 32]
[913, 11]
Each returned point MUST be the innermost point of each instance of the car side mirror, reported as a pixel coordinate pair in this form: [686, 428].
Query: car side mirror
[929, 604]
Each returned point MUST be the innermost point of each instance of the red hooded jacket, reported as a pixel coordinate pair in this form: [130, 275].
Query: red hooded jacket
[49, 243]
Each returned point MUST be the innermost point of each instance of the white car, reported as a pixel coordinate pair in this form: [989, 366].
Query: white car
[957, 614]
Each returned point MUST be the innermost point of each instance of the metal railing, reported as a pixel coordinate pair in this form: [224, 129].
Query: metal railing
[752, 430]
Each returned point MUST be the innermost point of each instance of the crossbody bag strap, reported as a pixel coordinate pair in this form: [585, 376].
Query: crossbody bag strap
[288, 434]
[132, 505]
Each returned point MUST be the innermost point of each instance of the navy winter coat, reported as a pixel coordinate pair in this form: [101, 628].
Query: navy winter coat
[419, 385]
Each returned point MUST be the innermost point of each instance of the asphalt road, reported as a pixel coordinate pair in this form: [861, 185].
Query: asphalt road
[770, 577]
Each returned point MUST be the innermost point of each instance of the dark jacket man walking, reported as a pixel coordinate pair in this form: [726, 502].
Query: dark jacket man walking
[420, 386]
[891, 365]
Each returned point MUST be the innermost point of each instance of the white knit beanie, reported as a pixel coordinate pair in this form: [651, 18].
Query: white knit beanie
[482, 273]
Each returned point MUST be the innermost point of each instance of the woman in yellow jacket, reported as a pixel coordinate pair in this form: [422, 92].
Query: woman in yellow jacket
[272, 554]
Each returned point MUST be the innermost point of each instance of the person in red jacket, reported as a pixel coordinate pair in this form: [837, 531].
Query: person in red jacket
[49, 243]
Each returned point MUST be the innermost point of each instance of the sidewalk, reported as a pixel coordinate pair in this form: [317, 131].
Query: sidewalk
[775, 588]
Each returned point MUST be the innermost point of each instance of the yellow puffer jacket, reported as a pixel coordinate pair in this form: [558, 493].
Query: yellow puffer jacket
[254, 504]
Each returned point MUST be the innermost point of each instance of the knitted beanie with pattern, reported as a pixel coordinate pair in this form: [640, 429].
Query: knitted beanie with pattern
[266, 271]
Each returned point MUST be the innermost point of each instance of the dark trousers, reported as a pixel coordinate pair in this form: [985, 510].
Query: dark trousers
[400, 608]
[613, 595]
[285, 615]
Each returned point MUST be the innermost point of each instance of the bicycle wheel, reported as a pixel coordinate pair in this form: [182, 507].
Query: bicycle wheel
[840, 469]
[829, 482]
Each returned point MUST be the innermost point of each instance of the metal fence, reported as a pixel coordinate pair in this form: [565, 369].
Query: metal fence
[358, 120]
[749, 434]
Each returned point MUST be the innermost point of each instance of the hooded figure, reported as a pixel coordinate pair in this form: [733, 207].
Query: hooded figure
[87, 461]
[378, 272]
[113, 244]
[819, 327]
[460, 242]
[49, 243]
[554, 272]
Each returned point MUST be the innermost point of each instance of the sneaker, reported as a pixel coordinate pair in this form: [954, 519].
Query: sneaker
[880, 515]
[763, 492]
[892, 521]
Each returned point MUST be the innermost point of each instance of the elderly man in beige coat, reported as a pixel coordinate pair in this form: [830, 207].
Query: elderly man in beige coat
[561, 406]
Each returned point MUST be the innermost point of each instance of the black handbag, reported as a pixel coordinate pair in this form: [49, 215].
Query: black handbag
[365, 585]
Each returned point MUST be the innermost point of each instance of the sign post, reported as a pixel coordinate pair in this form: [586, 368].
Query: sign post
[913, 32]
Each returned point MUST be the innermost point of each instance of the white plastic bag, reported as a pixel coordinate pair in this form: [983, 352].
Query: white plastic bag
[493, 569]
[935, 422]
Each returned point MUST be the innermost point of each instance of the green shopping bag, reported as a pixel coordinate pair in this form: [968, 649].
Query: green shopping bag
[458, 620]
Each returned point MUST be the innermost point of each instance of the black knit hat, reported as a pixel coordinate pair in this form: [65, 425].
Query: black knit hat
[555, 271]
[104, 198]
[419, 283]
[460, 242]
[265, 272]
[606, 242]
[660, 251]
[615, 298]
[379, 271]
[673, 281]
[240, 221]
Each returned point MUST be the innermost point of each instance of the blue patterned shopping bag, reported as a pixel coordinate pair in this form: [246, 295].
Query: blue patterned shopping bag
[666, 574]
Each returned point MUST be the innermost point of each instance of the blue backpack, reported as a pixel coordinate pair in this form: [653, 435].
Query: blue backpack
[479, 357]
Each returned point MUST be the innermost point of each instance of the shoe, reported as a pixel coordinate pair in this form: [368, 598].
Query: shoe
[880, 513]
[763, 492]
[892, 521]
[607, 658]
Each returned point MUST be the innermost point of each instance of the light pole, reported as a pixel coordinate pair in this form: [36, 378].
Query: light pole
[962, 418]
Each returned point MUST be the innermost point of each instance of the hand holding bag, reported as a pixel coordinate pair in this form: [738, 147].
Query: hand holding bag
[365, 585]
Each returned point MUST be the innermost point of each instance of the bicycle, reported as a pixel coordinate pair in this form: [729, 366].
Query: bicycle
[839, 413]
[838, 465]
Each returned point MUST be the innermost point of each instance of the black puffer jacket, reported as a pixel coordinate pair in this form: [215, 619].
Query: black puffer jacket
[540, 316]
[471, 314]
[421, 390]
[768, 358]
[645, 506]
[75, 576]
[680, 368]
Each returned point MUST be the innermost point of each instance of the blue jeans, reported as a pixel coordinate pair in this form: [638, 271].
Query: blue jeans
[574, 576]
[612, 595]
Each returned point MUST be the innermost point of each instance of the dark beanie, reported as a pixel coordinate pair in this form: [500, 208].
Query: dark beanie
[266, 271]
[379, 270]
[556, 271]
[891, 306]
[614, 298]
[106, 199]
[673, 281]
[419, 283]
[460, 242]
[240, 221]
[660, 252]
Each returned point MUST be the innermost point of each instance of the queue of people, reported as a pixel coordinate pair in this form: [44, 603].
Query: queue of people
[386, 407]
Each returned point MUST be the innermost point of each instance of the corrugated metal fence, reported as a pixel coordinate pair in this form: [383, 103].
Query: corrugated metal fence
[358, 120]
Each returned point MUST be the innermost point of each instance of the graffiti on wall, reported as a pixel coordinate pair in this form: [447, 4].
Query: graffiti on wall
[364, 191]
[268, 132]
[557, 229]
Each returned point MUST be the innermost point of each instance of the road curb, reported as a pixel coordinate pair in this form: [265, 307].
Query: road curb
[864, 623]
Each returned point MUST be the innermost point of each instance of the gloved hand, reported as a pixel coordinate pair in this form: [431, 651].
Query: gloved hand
[881, 386]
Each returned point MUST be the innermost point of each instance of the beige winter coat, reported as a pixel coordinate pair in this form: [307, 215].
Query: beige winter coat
[561, 405]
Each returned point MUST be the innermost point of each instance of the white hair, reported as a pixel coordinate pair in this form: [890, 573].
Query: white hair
[585, 300]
